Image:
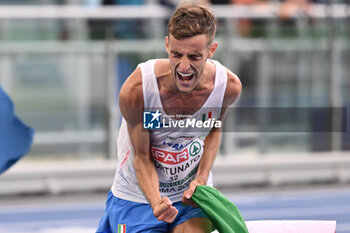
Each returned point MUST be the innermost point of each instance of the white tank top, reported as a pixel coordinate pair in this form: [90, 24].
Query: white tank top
[176, 151]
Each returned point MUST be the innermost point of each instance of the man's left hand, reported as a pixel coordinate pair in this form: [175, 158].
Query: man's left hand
[186, 198]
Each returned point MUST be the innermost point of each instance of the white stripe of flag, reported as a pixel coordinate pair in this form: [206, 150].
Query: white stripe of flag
[121, 228]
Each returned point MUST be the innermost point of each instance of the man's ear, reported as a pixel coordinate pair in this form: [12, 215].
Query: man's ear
[212, 49]
[167, 44]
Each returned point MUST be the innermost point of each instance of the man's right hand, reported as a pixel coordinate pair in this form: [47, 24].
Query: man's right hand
[164, 211]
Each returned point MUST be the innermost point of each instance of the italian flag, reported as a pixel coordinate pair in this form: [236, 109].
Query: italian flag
[206, 116]
[121, 228]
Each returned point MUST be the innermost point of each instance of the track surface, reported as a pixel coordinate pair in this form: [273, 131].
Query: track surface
[81, 213]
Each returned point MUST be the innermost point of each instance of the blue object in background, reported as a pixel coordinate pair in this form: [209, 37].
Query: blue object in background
[15, 137]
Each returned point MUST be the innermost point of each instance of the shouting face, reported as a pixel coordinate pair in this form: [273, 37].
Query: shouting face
[188, 58]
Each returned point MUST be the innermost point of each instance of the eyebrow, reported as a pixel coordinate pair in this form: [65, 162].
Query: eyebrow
[191, 54]
[173, 51]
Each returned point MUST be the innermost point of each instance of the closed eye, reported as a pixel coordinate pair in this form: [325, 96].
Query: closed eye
[194, 57]
[176, 54]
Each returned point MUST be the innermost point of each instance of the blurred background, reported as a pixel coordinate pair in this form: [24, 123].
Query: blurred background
[63, 62]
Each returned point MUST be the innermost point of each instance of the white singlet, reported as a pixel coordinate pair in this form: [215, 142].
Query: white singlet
[176, 152]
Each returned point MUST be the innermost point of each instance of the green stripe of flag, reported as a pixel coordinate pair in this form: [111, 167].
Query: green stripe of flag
[121, 228]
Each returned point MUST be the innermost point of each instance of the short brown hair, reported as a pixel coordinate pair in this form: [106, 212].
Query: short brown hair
[191, 20]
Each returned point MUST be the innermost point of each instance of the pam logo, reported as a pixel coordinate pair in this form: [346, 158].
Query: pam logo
[169, 157]
[151, 120]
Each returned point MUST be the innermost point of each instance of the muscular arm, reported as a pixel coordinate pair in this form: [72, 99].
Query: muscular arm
[212, 141]
[131, 107]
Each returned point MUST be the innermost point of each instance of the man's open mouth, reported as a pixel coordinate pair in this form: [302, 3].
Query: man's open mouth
[185, 77]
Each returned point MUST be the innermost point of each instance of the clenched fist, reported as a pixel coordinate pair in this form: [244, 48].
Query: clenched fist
[164, 211]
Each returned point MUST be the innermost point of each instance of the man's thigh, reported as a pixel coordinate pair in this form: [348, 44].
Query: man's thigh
[194, 225]
[126, 216]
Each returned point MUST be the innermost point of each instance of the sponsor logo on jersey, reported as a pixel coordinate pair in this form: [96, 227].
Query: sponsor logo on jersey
[168, 157]
[176, 146]
[184, 137]
[195, 148]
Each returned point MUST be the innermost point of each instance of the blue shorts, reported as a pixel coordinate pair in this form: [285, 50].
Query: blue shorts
[138, 217]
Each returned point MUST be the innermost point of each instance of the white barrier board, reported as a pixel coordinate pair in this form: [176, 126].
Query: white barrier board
[291, 226]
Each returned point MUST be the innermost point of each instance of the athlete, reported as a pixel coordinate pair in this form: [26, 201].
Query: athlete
[159, 169]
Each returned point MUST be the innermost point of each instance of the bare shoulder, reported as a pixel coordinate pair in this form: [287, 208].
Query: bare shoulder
[233, 88]
[131, 98]
[161, 68]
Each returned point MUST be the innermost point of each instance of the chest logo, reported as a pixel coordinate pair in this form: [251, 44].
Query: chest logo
[168, 157]
[195, 148]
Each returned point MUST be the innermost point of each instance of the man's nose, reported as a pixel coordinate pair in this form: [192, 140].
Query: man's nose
[184, 65]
